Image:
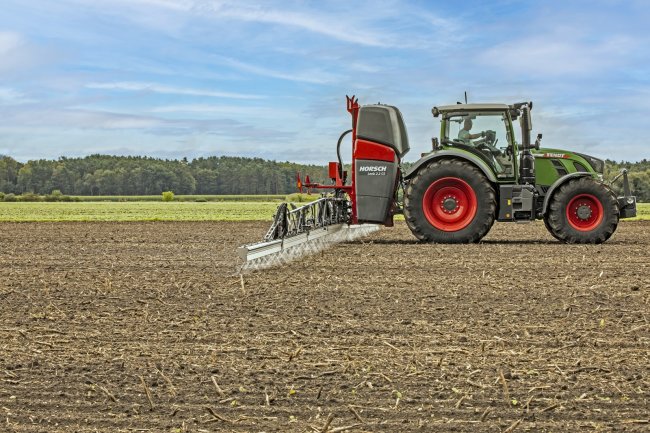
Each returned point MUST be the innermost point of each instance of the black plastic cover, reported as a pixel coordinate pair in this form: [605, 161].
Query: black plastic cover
[374, 188]
[383, 124]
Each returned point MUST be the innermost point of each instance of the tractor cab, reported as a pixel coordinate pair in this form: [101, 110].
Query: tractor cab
[484, 130]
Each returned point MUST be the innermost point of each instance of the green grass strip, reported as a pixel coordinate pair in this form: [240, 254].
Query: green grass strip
[137, 211]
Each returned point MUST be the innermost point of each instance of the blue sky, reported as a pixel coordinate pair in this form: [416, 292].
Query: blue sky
[175, 78]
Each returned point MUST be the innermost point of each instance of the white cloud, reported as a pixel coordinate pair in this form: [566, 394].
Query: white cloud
[356, 29]
[9, 96]
[364, 67]
[199, 108]
[330, 25]
[564, 44]
[333, 26]
[176, 5]
[9, 41]
[363, 25]
[159, 88]
[259, 115]
[75, 119]
[314, 76]
[230, 110]
[28, 122]
[17, 54]
[20, 54]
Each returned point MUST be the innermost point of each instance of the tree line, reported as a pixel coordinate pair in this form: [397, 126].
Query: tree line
[138, 175]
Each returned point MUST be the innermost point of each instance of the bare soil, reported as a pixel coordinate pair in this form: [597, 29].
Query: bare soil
[146, 327]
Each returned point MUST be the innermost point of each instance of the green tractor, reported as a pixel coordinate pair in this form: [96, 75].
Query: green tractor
[478, 173]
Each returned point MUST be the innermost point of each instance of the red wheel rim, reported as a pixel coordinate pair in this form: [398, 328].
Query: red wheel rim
[449, 204]
[584, 212]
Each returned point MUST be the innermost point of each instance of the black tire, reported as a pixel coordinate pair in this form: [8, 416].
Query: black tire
[468, 175]
[548, 227]
[568, 226]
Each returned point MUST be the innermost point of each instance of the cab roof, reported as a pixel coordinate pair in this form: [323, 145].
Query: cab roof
[472, 107]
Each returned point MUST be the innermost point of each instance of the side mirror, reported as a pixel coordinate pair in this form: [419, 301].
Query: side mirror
[538, 141]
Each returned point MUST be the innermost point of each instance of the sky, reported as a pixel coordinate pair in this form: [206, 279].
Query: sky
[192, 78]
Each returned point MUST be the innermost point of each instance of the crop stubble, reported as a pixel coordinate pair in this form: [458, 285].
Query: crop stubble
[135, 326]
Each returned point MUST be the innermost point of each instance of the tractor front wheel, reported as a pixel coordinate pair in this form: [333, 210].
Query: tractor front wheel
[548, 227]
[582, 211]
[449, 201]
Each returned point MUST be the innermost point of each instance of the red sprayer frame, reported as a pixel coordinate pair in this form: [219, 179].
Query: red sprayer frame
[335, 168]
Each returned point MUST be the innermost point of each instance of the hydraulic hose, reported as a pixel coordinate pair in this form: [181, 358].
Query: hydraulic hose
[338, 153]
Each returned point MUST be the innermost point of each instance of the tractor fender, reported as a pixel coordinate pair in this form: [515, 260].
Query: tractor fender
[558, 183]
[447, 153]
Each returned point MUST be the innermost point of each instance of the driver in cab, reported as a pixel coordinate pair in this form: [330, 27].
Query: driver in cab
[502, 164]
[465, 136]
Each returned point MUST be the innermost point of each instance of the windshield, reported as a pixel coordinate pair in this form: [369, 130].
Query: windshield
[461, 126]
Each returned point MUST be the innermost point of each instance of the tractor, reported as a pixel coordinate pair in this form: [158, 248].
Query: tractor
[475, 174]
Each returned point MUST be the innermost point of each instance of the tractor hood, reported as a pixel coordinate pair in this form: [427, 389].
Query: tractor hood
[596, 164]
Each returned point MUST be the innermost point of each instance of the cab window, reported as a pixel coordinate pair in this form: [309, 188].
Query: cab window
[486, 132]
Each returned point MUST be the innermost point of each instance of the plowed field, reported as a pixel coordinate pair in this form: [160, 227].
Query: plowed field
[118, 327]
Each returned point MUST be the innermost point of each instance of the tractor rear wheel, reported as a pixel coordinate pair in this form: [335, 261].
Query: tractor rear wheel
[582, 211]
[449, 201]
